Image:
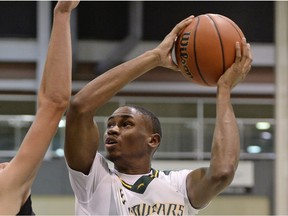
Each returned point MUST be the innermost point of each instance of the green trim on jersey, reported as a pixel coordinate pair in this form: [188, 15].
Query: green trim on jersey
[142, 183]
[166, 172]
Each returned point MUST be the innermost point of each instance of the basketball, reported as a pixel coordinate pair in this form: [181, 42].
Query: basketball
[205, 49]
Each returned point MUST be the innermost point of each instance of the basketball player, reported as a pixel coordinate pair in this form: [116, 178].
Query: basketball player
[17, 176]
[132, 136]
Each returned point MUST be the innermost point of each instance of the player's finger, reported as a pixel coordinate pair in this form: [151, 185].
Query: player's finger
[182, 25]
[238, 52]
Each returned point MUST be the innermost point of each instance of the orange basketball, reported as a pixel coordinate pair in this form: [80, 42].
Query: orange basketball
[206, 48]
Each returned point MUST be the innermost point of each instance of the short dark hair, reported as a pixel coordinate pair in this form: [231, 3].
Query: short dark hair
[156, 125]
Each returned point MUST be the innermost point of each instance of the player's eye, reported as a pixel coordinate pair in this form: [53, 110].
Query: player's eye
[110, 124]
[127, 124]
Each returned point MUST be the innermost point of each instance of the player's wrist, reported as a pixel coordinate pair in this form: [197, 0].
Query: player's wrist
[223, 93]
[59, 10]
[154, 57]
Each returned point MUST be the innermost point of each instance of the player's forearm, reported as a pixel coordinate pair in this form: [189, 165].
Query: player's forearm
[104, 87]
[56, 81]
[226, 140]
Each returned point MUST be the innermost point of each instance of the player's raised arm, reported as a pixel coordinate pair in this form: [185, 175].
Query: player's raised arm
[205, 183]
[53, 98]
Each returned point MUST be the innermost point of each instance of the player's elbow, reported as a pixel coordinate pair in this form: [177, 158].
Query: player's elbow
[224, 176]
[78, 106]
[62, 101]
[55, 101]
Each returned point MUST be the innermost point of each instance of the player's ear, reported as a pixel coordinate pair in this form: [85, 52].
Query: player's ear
[154, 140]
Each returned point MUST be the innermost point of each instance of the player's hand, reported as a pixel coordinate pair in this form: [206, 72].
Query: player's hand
[164, 49]
[64, 6]
[239, 69]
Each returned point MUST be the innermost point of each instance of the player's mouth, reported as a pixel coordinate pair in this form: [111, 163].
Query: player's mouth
[110, 141]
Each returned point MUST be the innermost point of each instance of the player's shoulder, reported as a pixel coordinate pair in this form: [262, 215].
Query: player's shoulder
[174, 173]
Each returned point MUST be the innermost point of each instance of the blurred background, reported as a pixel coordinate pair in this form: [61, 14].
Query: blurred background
[107, 33]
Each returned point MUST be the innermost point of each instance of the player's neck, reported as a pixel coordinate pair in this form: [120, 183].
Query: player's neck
[129, 178]
[133, 170]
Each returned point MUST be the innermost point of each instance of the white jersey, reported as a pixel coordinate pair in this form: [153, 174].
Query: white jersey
[104, 191]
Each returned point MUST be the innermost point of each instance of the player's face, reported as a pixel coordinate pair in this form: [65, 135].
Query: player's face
[127, 135]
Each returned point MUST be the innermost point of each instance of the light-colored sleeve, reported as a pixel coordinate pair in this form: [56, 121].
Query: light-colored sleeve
[83, 185]
[178, 179]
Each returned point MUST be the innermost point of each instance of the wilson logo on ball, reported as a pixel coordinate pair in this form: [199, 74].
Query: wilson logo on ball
[205, 49]
[184, 55]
